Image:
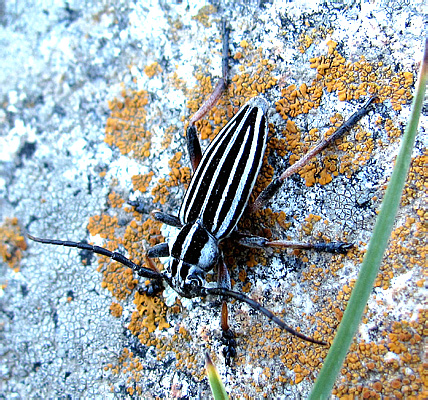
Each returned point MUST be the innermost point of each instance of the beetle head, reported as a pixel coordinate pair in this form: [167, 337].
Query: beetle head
[193, 253]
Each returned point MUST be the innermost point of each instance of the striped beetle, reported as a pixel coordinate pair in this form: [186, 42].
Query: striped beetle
[215, 200]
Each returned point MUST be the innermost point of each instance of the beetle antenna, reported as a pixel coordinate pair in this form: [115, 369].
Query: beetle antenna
[256, 306]
[141, 271]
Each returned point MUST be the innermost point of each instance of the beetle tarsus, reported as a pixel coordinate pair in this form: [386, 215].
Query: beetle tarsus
[225, 52]
[229, 349]
[227, 336]
[152, 289]
[334, 247]
[138, 205]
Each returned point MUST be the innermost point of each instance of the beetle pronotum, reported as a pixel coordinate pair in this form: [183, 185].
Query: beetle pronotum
[223, 179]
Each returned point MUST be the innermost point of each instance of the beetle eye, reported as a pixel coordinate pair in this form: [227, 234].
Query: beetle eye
[195, 282]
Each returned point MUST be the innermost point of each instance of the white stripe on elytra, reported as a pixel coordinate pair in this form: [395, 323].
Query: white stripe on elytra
[204, 165]
[220, 165]
[225, 224]
[211, 152]
[188, 242]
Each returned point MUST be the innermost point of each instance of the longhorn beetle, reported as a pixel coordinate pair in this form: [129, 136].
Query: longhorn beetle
[223, 178]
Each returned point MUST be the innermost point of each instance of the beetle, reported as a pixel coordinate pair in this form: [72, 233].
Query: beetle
[223, 179]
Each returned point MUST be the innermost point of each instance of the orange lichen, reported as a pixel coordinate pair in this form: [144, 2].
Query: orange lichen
[360, 78]
[176, 82]
[12, 243]
[131, 367]
[103, 225]
[247, 85]
[118, 279]
[159, 192]
[400, 377]
[310, 220]
[312, 36]
[168, 136]
[152, 69]
[203, 15]
[150, 314]
[178, 176]
[417, 184]
[141, 182]
[125, 128]
[136, 233]
[115, 200]
[393, 131]
[116, 309]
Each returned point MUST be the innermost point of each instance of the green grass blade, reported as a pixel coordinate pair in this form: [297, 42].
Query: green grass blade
[377, 245]
[217, 387]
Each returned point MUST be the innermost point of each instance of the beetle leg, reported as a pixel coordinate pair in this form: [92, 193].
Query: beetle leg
[159, 250]
[160, 216]
[167, 219]
[227, 335]
[223, 277]
[153, 287]
[221, 84]
[260, 242]
[138, 205]
[273, 187]
[193, 146]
